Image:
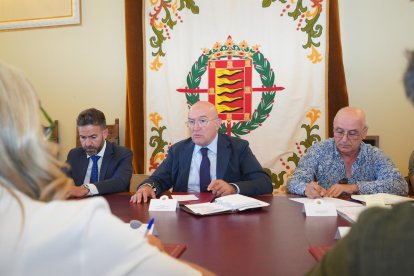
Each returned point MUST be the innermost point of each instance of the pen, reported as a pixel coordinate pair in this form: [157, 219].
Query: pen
[149, 226]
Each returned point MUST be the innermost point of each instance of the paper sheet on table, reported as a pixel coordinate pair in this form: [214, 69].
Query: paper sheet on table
[341, 232]
[351, 213]
[337, 202]
[184, 197]
[388, 199]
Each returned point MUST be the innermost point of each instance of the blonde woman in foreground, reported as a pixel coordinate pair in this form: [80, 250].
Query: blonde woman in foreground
[40, 232]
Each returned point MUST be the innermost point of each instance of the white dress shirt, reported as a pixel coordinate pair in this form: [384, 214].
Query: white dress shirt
[60, 238]
[92, 187]
[194, 177]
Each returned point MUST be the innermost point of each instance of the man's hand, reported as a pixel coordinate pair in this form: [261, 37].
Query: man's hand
[220, 187]
[77, 192]
[313, 190]
[144, 192]
[337, 189]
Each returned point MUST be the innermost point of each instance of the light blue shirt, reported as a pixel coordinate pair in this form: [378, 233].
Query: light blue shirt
[372, 171]
[194, 177]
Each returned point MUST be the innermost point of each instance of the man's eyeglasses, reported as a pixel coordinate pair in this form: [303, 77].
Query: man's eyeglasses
[352, 134]
[201, 122]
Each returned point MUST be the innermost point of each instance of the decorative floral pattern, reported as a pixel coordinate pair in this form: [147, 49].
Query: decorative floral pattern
[307, 17]
[157, 142]
[161, 26]
[289, 161]
[165, 15]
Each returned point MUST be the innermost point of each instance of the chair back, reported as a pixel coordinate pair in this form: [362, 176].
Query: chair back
[136, 179]
[410, 186]
[113, 133]
[55, 133]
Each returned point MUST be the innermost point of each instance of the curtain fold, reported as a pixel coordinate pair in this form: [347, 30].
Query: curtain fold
[134, 129]
[337, 91]
[134, 122]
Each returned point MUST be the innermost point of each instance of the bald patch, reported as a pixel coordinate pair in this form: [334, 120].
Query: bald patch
[350, 113]
[208, 107]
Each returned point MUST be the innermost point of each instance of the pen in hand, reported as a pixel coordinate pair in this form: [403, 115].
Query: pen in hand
[149, 226]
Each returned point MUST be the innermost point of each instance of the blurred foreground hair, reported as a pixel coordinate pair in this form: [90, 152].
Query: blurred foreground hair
[409, 78]
[28, 160]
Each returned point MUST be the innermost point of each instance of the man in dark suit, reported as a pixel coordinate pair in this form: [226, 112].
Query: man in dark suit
[232, 167]
[99, 166]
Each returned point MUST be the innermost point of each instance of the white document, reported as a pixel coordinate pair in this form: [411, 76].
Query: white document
[319, 208]
[230, 203]
[351, 214]
[240, 202]
[207, 208]
[184, 197]
[337, 202]
[163, 204]
[342, 231]
[388, 199]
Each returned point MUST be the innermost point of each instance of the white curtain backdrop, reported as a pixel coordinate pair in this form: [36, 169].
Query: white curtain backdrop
[261, 62]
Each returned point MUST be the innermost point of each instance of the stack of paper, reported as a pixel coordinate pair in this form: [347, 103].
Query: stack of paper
[388, 199]
[347, 209]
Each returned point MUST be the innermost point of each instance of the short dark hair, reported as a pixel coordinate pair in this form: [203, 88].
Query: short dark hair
[91, 116]
[409, 78]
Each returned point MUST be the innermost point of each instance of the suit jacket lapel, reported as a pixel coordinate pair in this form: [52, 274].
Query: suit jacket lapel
[185, 159]
[83, 167]
[223, 156]
[109, 151]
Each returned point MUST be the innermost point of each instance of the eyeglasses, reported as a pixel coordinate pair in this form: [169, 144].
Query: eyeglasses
[203, 122]
[352, 134]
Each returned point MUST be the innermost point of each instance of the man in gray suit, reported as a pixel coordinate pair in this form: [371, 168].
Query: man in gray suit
[233, 168]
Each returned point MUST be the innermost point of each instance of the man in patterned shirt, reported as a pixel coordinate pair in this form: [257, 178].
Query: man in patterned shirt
[344, 164]
[381, 242]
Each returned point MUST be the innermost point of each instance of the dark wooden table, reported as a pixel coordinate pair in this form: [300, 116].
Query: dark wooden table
[272, 240]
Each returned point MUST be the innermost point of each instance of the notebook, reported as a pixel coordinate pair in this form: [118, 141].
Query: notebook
[225, 204]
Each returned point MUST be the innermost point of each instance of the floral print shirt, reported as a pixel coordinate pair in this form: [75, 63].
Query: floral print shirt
[372, 171]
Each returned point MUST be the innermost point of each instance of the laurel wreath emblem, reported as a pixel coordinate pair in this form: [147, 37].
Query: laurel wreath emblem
[262, 67]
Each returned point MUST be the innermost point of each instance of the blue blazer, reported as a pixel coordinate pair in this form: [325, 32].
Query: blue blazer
[116, 168]
[235, 164]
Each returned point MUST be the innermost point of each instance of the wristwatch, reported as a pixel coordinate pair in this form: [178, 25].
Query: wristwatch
[86, 186]
[150, 185]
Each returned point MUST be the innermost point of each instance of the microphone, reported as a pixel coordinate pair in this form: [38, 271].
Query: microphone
[135, 224]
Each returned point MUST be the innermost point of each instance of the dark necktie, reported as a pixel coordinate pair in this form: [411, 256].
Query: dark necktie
[205, 178]
[94, 172]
